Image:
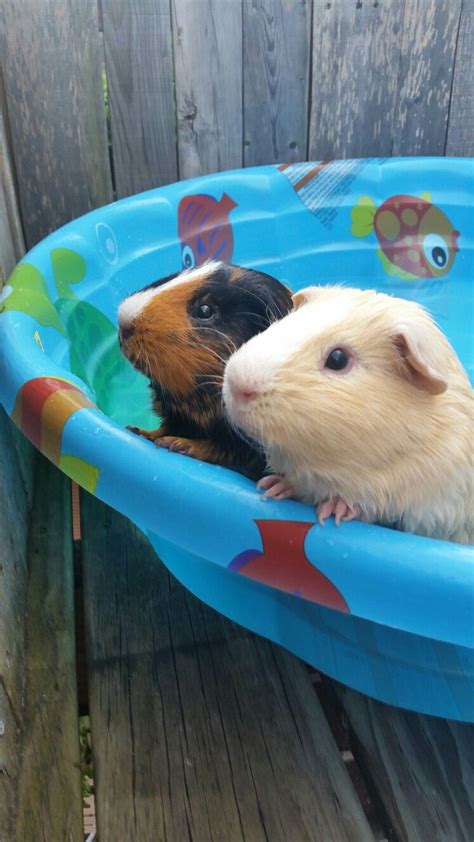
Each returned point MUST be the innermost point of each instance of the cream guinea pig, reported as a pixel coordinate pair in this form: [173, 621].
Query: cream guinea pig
[363, 409]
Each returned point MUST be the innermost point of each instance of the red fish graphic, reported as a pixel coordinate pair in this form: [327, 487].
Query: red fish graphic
[416, 238]
[42, 407]
[283, 564]
[204, 229]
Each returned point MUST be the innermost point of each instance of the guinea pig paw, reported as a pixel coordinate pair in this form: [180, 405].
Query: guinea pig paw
[340, 510]
[275, 487]
[187, 447]
[173, 444]
[150, 435]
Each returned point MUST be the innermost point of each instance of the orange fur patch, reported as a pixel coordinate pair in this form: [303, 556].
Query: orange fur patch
[236, 274]
[164, 336]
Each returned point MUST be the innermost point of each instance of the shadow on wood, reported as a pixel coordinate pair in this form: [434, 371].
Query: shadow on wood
[49, 800]
[201, 730]
[421, 767]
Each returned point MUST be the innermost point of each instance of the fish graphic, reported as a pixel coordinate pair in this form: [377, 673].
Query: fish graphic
[322, 186]
[42, 407]
[204, 229]
[283, 564]
[417, 240]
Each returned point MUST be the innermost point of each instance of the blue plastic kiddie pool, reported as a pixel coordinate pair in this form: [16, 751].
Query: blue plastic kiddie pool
[388, 613]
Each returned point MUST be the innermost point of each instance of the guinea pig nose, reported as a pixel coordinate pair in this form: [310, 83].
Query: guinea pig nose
[243, 394]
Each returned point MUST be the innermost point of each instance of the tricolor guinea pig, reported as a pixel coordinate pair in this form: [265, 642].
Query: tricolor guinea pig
[363, 409]
[179, 332]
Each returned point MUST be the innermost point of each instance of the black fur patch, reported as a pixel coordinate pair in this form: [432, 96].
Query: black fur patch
[199, 416]
[160, 282]
[245, 301]
[242, 303]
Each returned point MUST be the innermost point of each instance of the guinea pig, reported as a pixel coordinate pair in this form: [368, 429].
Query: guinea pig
[179, 332]
[363, 409]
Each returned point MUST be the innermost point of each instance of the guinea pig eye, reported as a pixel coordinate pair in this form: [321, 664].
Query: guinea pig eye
[436, 250]
[187, 256]
[205, 311]
[337, 360]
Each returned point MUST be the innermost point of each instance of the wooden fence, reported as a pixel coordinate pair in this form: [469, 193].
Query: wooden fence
[109, 97]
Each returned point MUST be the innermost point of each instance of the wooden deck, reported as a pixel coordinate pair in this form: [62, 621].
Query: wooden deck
[201, 731]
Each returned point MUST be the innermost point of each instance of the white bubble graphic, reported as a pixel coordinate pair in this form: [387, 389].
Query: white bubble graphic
[107, 242]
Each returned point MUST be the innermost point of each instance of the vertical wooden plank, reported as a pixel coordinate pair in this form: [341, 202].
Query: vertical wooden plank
[12, 248]
[49, 800]
[52, 77]
[217, 734]
[355, 59]
[13, 587]
[12, 245]
[13, 569]
[422, 768]
[430, 31]
[460, 139]
[276, 53]
[15, 488]
[139, 61]
[207, 38]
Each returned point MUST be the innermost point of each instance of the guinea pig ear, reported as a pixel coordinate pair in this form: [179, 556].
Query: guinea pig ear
[299, 298]
[421, 363]
[276, 297]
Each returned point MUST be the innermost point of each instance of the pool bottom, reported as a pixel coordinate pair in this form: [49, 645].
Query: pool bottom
[393, 666]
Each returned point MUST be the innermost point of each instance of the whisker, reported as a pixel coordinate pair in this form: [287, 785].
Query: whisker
[229, 344]
[253, 442]
[269, 313]
[220, 333]
[210, 383]
[212, 351]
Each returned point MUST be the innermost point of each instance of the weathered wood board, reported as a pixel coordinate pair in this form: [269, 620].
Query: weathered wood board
[207, 44]
[49, 798]
[11, 234]
[139, 65]
[204, 85]
[14, 516]
[422, 768]
[276, 50]
[460, 140]
[210, 732]
[39, 771]
[430, 30]
[355, 78]
[16, 473]
[51, 63]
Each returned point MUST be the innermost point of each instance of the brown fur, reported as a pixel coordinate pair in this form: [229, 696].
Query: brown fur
[173, 357]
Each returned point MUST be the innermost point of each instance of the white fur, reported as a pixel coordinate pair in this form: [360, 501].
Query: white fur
[400, 453]
[255, 365]
[135, 304]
